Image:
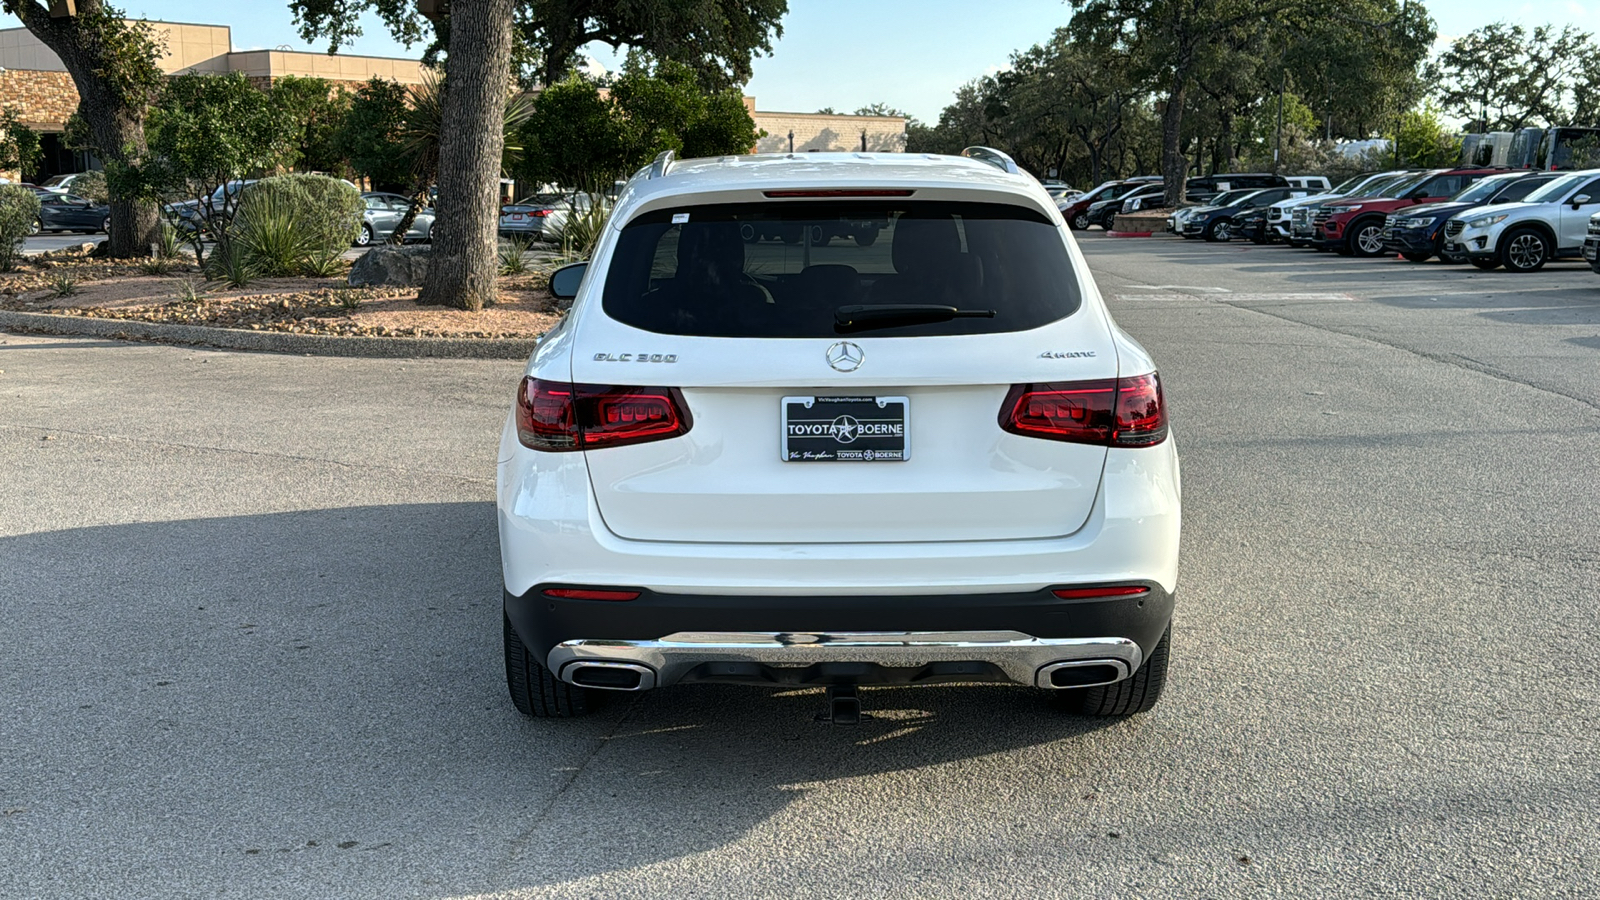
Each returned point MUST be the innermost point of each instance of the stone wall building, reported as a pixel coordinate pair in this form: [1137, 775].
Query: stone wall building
[34, 82]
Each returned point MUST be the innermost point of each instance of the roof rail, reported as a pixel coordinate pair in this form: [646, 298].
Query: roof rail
[994, 158]
[662, 165]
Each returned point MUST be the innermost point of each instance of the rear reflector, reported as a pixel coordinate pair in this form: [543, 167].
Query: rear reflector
[558, 417]
[1090, 593]
[779, 195]
[589, 594]
[1116, 412]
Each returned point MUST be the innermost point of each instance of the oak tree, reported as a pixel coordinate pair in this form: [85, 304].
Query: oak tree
[113, 65]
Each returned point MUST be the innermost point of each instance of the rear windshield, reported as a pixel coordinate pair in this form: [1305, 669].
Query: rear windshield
[781, 270]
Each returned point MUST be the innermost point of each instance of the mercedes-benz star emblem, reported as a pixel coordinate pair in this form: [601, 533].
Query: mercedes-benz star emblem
[846, 356]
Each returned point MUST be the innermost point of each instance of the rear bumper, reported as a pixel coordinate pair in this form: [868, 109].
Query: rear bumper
[1031, 638]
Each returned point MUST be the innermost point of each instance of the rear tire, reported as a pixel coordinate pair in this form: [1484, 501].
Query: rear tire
[1129, 696]
[1220, 230]
[1080, 222]
[534, 690]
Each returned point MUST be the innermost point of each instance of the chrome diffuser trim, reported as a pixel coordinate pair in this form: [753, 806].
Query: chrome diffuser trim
[1022, 657]
[647, 675]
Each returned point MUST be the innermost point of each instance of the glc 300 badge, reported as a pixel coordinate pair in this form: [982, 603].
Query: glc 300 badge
[637, 357]
[846, 356]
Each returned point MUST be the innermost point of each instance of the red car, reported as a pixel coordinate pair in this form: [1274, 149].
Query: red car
[1353, 226]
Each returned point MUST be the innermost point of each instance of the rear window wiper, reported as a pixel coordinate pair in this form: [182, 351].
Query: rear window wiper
[864, 317]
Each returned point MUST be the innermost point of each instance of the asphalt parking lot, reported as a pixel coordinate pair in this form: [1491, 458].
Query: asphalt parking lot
[249, 610]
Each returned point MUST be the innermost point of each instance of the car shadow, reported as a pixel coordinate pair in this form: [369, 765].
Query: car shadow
[294, 682]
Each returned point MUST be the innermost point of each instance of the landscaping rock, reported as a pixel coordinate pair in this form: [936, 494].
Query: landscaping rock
[390, 267]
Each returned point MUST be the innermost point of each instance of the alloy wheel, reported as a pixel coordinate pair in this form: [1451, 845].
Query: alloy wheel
[1081, 221]
[1525, 252]
[1225, 230]
[1369, 240]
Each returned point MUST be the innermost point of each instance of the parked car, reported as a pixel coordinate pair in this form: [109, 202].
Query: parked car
[1103, 212]
[1293, 228]
[1354, 225]
[65, 212]
[1553, 222]
[1205, 187]
[1179, 217]
[383, 214]
[1224, 222]
[737, 464]
[1591, 243]
[1077, 212]
[1418, 233]
[526, 216]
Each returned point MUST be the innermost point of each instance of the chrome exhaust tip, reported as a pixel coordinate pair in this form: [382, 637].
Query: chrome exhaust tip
[1081, 673]
[609, 676]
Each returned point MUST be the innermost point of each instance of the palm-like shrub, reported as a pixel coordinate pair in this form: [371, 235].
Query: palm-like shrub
[294, 224]
[19, 210]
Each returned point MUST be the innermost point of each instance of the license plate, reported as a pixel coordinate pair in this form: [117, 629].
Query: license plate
[1451, 246]
[1591, 249]
[516, 217]
[846, 429]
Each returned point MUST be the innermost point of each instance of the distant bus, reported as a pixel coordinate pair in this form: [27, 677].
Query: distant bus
[1569, 148]
[1525, 144]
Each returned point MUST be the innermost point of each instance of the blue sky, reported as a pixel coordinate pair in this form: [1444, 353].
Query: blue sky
[848, 53]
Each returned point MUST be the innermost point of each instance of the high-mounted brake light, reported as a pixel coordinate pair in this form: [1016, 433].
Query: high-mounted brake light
[558, 417]
[1090, 593]
[589, 594]
[839, 192]
[1116, 412]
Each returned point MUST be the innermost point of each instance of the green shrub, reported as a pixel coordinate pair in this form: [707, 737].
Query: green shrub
[19, 210]
[229, 264]
[584, 227]
[92, 186]
[324, 211]
[64, 284]
[270, 236]
[511, 256]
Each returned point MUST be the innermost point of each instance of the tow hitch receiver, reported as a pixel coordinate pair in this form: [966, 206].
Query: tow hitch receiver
[844, 707]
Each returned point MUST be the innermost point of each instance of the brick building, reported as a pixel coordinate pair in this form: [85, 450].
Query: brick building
[35, 83]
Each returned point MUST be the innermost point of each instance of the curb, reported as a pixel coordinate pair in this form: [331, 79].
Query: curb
[270, 341]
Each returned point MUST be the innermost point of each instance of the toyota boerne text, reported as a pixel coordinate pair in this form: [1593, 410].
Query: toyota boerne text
[931, 457]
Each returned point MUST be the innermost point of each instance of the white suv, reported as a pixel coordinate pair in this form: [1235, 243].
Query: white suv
[931, 457]
[1550, 224]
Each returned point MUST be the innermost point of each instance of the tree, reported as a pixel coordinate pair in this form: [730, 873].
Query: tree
[882, 109]
[370, 138]
[1502, 77]
[715, 38]
[316, 111]
[113, 65]
[206, 132]
[19, 144]
[1177, 43]
[419, 134]
[1423, 141]
[577, 138]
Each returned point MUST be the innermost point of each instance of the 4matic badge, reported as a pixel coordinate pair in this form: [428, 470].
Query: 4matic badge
[1067, 354]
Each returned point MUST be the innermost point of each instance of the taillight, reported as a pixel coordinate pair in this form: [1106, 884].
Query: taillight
[557, 417]
[540, 213]
[1117, 412]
